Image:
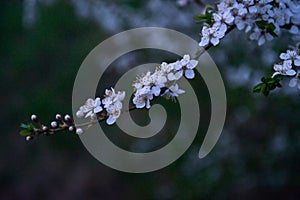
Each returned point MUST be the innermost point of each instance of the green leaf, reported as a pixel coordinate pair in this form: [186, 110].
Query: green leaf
[267, 84]
[268, 26]
[26, 132]
[261, 24]
[25, 126]
[205, 18]
[257, 88]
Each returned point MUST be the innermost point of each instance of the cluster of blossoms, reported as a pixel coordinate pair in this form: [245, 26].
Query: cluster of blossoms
[263, 18]
[288, 67]
[112, 103]
[162, 82]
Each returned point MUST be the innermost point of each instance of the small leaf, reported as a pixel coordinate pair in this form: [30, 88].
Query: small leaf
[25, 132]
[257, 88]
[25, 126]
[261, 24]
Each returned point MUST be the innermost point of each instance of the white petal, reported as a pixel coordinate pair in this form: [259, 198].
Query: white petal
[118, 105]
[215, 41]
[98, 109]
[155, 90]
[192, 64]
[171, 76]
[277, 67]
[121, 95]
[294, 30]
[97, 102]
[189, 74]
[261, 40]
[240, 25]
[110, 120]
[290, 72]
[284, 56]
[222, 30]
[178, 75]
[229, 19]
[297, 62]
[204, 41]
[148, 104]
[293, 82]
[174, 87]
[180, 91]
[177, 65]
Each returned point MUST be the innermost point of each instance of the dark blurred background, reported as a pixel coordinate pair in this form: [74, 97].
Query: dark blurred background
[43, 43]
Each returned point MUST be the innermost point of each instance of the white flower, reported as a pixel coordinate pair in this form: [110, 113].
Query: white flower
[143, 96]
[226, 5]
[261, 36]
[159, 78]
[223, 18]
[284, 69]
[178, 74]
[212, 34]
[79, 131]
[186, 67]
[291, 55]
[166, 68]
[150, 85]
[113, 104]
[173, 91]
[111, 97]
[90, 108]
[113, 111]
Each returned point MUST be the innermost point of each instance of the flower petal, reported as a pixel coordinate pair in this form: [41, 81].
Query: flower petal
[189, 74]
[110, 120]
[293, 82]
[98, 109]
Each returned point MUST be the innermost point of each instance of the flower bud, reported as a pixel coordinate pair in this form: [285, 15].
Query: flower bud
[54, 124]
[68, 118]
[79, 131]
[79, 114]
[71, 128]
[34, 118]
[29, 138]
[44, 128]
[58, 117]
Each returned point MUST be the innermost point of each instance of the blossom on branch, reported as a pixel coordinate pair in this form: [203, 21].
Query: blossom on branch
[90, 108]
[162, 81]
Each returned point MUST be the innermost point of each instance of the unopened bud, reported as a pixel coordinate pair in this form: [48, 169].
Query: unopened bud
[44, 128]
[58, 117]
[29, 138]
[34, 118]
[79, 131]
[71, 128]
[68, 118]
[54, 124]
[79, 114]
